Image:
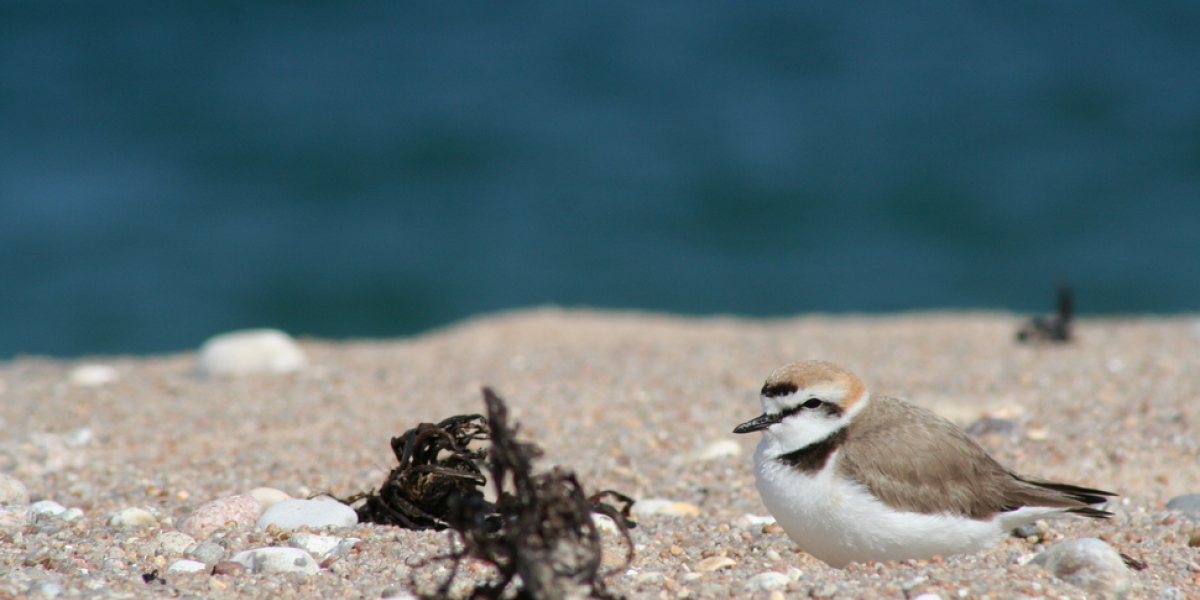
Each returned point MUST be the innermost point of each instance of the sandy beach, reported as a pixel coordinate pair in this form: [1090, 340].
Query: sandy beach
[626, 400]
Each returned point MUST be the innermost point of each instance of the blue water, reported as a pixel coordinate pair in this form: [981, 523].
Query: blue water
[171, 170]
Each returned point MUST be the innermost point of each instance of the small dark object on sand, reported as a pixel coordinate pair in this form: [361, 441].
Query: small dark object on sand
[419, 492]
[1133, 563]
[1053, 328]
[540, 531]
[152, 577]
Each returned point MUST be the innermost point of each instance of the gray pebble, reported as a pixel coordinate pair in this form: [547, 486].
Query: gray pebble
[15, 515]
[344, 547]
[39, 555]
[169, 543]
[1026, 530]
[208, 553]
[1172, 593]
[1090, 564]
[828, 590]
[1189, 503]
[277, 560]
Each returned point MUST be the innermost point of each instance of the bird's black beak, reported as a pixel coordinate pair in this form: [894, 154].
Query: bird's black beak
[762, 421]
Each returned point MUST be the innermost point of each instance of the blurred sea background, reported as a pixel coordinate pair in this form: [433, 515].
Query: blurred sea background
[347, 169]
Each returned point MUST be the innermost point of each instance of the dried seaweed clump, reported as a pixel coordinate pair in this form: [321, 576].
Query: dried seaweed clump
[1051, 328]
[539, 534]
[540, 531]
[437, 470]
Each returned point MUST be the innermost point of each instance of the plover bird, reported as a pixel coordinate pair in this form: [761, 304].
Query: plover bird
[857, 477]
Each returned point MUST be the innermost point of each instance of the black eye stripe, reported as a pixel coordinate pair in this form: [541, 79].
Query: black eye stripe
[773, 390]
[828, 408]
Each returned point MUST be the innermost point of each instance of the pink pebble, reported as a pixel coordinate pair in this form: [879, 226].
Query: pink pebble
[243, 511]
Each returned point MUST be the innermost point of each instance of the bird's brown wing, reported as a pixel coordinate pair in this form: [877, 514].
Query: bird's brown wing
[940, 469]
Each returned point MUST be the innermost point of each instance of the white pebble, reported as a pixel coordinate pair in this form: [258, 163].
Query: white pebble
[251, 351]
[314, 544]
[294, 513]
[12, 491]
[49, 508]
[1022, 559]
[93, 375]
[187, 566]
[749, 520]
[714, 563]
[267, 496]
[768, 580]
[650, 577]
[1088, 563]
[78, 437]
[241, 510]
[277, 560]
[173, 542]
[604, 524]
[719, 449]
[928, 596]
[391, 594]
[71, 514]
[659, 506]
[133, 517]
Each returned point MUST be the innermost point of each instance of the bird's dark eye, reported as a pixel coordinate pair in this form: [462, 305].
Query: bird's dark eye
[812, 403]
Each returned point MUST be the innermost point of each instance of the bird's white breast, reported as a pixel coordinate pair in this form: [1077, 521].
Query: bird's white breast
[839, 521]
